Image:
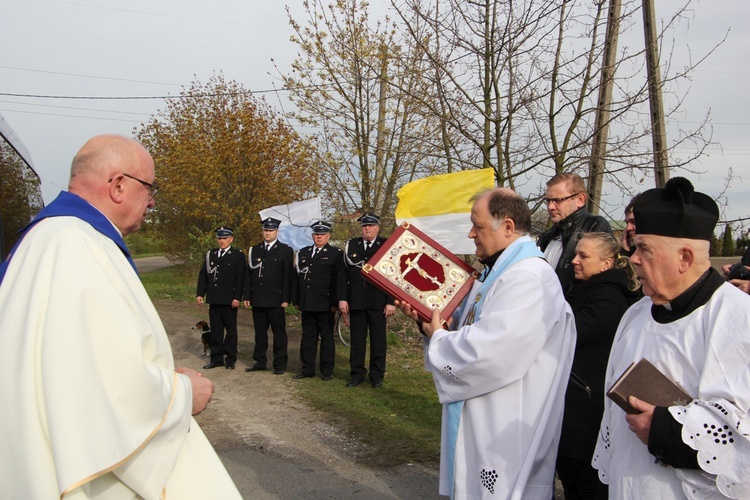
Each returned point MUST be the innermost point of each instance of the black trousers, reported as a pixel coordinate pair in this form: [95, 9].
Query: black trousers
[223, 317]
[361, 321]
[317, 325]
[580, 480]
[263, 317]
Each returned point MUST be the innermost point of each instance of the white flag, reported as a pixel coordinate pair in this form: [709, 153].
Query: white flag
[295, 221]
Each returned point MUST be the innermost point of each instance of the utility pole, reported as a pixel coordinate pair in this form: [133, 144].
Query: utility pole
[658, 128]
[601, 127]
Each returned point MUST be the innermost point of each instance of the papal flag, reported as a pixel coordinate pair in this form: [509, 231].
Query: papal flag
[440, 206]
[295, 218]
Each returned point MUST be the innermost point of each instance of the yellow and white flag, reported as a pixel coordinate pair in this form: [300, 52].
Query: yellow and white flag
[439, 206]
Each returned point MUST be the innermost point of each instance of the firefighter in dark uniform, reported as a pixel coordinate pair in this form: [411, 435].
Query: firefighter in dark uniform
[220, 280]
[367, 306]
[321, 284]
[269, 292]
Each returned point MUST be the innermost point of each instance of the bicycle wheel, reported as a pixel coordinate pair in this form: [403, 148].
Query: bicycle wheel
[342, 327]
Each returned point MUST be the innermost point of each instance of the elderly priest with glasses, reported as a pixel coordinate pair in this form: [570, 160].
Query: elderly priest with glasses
[693, 326]
[92, 405]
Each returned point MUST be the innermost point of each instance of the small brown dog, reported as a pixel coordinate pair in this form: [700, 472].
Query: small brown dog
[205, 331]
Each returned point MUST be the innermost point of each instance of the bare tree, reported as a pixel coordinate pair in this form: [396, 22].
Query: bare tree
[349, 85]
[519, 80]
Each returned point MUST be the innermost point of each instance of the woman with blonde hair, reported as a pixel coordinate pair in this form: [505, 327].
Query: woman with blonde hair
[605, 286]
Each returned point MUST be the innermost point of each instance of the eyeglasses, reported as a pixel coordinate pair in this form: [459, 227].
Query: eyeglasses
[557, 201]
[152, 189]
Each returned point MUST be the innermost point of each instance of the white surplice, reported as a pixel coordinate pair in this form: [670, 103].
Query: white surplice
[91, 404]
[708, 354]
[510, 367]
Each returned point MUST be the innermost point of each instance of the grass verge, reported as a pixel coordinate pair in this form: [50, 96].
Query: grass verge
[400, 422]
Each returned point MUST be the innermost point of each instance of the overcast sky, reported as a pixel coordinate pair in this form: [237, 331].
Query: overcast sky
[112, 48]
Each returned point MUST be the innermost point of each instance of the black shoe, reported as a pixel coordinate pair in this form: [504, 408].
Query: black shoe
[327, 377]
[212, 365]
[302, 375]
[230, 367]
[278, 371]
[255, 368]
[353, 383]
[376, 384]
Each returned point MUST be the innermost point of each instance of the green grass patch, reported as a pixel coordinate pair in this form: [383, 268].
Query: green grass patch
[174, 283]
[400, 421]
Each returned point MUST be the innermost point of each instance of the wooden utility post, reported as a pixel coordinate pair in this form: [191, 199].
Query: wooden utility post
[601, 130]
[658, 128]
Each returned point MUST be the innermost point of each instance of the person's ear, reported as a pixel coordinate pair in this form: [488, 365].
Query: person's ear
[509, 226]
[117, 188]
[687, 258]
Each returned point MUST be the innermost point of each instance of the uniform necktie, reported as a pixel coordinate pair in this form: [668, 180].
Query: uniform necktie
[315, 252]
[221, 253]
[367, 246]
[268, 247]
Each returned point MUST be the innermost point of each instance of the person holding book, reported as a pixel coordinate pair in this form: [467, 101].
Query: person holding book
[501, 363]
[692, 326]
[605, 286]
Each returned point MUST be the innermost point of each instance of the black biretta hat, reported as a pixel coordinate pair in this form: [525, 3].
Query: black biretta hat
[676, 211]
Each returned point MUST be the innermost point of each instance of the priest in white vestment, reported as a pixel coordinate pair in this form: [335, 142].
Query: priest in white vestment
[693, 326]
[502, 370]
[92, 406]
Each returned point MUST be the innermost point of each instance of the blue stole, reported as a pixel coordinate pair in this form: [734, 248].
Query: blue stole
[70, 205]
[522, 248]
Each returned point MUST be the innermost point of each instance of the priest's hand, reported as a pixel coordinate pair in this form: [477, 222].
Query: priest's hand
[203, 388]
[640, 424]
[235, 304]
[743, 285]
[436, 322]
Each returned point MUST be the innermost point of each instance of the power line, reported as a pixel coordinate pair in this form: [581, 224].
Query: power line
[113, 98]
[72, 116]
[71, 107]
[88, 76]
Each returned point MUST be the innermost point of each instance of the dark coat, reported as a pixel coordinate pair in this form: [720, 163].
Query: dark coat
[221, 280]
[569, 230]
[270, 275]
[360, 294]
[322, 282]
[598, 305]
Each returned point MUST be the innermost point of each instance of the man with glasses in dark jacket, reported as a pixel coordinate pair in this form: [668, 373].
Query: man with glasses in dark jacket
[566, 206]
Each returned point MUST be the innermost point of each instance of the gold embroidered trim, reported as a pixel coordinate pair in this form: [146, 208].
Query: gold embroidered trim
[118, 464]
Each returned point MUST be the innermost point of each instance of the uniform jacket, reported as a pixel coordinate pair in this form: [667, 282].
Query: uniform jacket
[221, 279]
[321, 280]
[568, 229]
[270, 275]
[359, 293]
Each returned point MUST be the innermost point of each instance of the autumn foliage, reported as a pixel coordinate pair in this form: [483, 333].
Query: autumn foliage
[221, 155]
